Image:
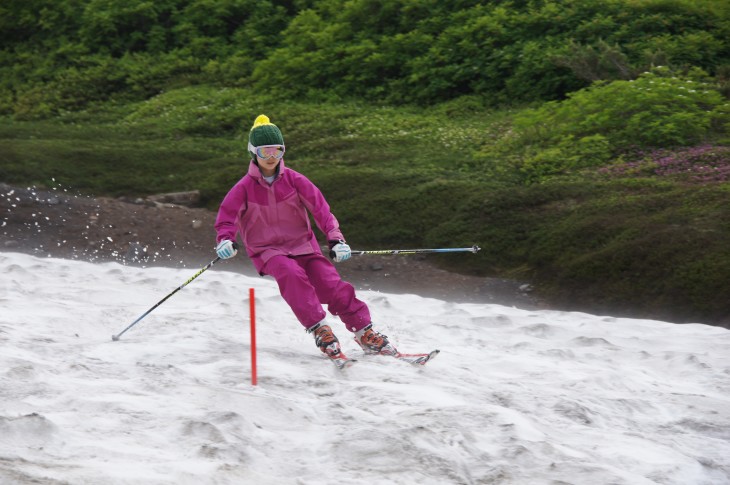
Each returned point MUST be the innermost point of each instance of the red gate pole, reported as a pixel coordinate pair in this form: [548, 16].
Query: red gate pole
[252, 305]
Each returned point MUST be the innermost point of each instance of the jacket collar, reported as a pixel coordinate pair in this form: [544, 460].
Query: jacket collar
[255, 172]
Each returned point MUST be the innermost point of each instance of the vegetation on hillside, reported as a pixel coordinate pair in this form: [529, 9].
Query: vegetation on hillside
[583, 145]
[63, 55]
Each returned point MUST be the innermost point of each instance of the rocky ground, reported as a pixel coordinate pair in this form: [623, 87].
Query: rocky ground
[56, 223]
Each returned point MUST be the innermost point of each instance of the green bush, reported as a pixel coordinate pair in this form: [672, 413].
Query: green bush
[395, 51]
[657, 109]
[568, 155]
[597, 123]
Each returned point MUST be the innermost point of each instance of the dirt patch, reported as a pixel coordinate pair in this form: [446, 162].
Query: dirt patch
[55, 223]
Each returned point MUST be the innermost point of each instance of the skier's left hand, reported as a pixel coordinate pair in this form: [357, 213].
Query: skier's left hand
[339, 251]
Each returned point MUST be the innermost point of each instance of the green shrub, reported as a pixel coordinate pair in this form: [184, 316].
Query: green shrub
[569, 154]
[395, 51]
[657, 109]
[600, 122]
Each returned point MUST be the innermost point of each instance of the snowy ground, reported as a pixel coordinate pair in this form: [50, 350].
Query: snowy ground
[515, 397]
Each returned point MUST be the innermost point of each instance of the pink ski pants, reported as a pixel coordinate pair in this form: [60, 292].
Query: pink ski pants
[310, 281]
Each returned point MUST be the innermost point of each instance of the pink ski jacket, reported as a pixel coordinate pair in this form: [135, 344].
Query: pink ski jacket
[272, 219]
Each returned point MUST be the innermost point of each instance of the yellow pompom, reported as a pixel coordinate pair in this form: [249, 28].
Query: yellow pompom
[261, 120]
[264, 132]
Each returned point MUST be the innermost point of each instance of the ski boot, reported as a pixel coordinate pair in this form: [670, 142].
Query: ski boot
[373, 342]
[327, 342]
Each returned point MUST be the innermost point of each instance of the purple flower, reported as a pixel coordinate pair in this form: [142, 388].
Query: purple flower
[703, 163]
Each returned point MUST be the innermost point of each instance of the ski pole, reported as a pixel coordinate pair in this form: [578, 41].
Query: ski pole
[474, 249]
[116, 337]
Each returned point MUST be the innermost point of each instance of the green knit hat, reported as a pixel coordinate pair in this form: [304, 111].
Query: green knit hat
[263, 132]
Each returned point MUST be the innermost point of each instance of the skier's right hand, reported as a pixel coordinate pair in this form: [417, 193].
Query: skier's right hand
[226, 249]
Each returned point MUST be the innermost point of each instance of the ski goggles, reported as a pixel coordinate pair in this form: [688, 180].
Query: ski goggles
[268, 151]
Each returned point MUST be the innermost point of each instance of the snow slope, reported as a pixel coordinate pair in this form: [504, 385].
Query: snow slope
[515, 397]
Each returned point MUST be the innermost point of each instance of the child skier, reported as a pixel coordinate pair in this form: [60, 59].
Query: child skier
[268, 207]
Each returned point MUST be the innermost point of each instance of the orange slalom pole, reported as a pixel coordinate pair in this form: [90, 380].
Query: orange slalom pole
[252, 305]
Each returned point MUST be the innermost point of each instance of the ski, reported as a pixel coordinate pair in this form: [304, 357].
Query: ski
[341, 361]
[416, 359]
